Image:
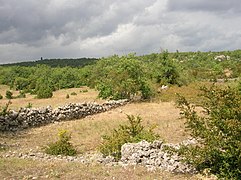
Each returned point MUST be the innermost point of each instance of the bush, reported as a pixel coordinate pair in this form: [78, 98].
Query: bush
[218, 132]
[84, 91]
[29, 105]
[133, 132]
[5, 110]
[9, 94]
[43, 93]
[73, 94]
[67, 96]
[21, 95]
[62, 146]
[1, 97]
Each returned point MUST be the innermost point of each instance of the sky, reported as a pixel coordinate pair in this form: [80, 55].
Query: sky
[31, 29]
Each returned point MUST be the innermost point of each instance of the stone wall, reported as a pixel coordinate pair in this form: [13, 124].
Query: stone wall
[33, 117]
[153, 156]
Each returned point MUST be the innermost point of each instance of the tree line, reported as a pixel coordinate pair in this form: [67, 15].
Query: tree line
[127, 76]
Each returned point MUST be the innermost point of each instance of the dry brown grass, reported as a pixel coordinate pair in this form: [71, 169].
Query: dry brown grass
[28, 169]
[87, 132]
[58, 99]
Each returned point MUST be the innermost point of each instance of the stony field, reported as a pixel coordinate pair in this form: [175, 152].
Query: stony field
[86, 136]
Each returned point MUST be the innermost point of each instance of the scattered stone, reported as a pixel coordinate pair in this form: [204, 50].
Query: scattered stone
[153, 155]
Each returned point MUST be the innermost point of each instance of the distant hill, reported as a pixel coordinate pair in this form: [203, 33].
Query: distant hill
[79, 62]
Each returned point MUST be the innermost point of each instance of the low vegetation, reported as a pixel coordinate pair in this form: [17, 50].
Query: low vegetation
[218, 132]
[5, 109]
[62, 146]
[131, 133]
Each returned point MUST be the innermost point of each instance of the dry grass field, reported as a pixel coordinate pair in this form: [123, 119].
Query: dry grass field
[58, 99]
[86, 136]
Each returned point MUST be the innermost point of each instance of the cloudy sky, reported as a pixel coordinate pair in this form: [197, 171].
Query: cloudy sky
[30, 29]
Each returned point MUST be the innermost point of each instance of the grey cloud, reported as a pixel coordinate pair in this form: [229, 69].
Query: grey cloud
[33, 20]
[30, 29]
[205, 5]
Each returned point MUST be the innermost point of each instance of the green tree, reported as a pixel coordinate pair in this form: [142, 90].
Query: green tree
[121, 77]
[166, 70]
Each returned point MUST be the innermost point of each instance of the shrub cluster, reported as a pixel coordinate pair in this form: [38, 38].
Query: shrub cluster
[218, 132]
[62, 146]
[133, 132]
[73, 94]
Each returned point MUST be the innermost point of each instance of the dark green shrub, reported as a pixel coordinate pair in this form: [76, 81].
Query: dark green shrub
[67, 96]
[73, 94]
[9, 94]
[5, 109]
[43, 93]
[218, 132]
[62, 146]
[133, 132]
[21, 95]
[1, 97]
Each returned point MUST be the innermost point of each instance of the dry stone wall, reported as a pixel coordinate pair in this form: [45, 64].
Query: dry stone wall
[33, 117]
[153, 155]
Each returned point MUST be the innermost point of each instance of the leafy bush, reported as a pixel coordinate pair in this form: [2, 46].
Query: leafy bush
[9, 94]
[62, 146]
[1, 97]
[67, 96]
[133, 132]
[21, 95]
[5, 109]
[44, 92]
[73, 94]
[218, 132]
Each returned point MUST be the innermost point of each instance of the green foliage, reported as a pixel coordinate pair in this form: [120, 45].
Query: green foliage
[44, 92]
[21, 95]
[9, 94]
[62, 146]
[120, 77]
[29, 105]
[73, 94]
[5, 109]
[21, 83]
[83, 91]
[1, 97]
[133, 132]
[168, 72]
[218, 132]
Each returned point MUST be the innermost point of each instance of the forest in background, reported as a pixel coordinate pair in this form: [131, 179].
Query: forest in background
[118, 77]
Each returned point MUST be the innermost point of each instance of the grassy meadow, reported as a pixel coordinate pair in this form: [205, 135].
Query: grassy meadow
[86, 135]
